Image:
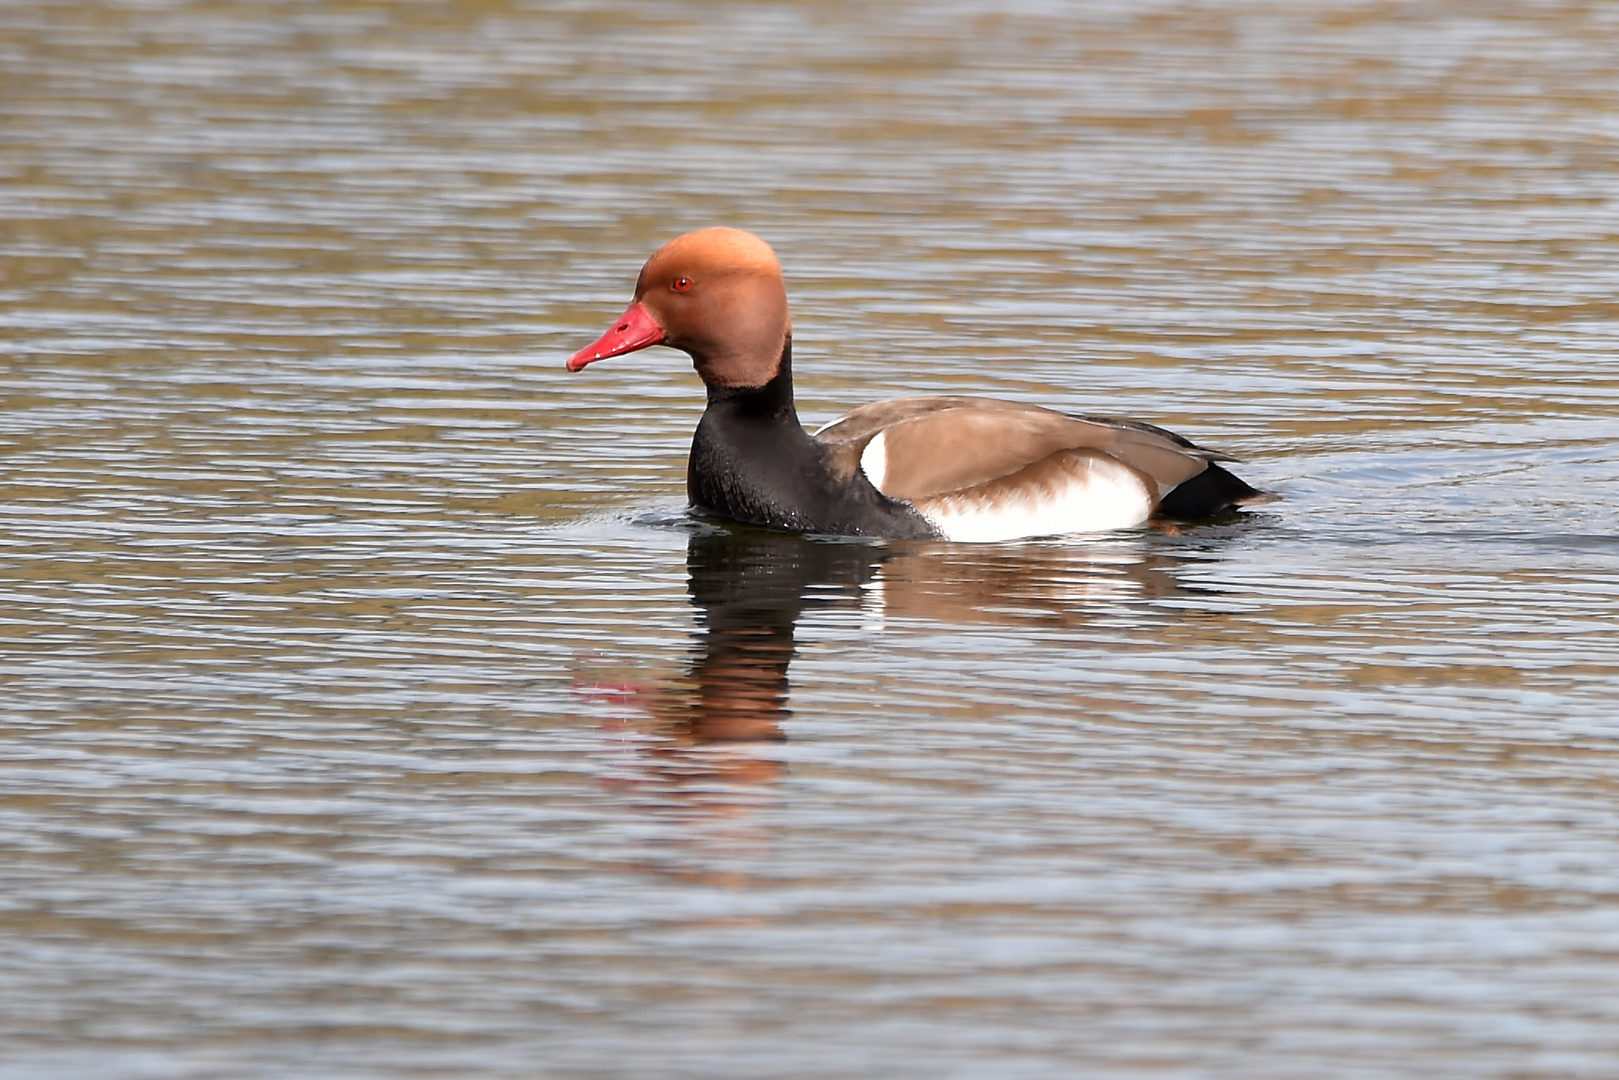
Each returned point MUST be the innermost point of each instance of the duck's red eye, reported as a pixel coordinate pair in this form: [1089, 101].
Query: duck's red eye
[682, 284]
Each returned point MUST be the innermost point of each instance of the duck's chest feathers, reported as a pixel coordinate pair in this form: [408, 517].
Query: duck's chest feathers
[751, 460]
[751, 470]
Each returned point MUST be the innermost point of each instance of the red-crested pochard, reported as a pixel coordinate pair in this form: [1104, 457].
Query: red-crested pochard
[952, 468]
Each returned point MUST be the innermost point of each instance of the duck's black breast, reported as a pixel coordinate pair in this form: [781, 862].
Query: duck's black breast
[751, 460]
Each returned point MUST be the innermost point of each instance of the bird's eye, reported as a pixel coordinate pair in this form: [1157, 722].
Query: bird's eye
[682, 284]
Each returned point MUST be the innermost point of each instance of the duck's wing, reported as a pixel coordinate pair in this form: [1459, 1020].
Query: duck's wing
[923, 447]
[986, 469]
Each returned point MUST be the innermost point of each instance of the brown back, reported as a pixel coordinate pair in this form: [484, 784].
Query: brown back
[935, 445]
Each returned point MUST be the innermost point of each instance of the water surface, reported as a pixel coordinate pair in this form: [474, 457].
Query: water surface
[372, 708]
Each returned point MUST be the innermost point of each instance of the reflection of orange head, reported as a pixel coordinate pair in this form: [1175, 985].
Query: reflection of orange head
[739, 698]
[742, 688]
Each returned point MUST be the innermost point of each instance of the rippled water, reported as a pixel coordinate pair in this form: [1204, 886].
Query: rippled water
[372, 708]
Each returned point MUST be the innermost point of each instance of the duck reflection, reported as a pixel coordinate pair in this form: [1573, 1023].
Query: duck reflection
[751, 587]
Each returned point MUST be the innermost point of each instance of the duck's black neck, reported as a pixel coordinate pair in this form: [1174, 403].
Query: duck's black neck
[753, 461]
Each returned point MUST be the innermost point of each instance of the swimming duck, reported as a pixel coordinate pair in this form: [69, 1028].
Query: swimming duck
[949, 468]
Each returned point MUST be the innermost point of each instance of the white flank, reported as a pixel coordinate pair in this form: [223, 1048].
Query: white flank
[874, 461]
[1100, 495]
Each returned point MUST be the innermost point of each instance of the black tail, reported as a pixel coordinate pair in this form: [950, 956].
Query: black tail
[1212, 491]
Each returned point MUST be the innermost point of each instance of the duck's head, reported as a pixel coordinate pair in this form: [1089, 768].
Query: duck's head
[715, 294]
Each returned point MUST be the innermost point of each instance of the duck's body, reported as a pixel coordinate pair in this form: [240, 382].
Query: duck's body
[952, 468]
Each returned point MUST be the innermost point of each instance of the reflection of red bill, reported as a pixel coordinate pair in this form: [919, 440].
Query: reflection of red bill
[635, 329]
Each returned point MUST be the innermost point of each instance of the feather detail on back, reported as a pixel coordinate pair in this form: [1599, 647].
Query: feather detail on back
[932, 446]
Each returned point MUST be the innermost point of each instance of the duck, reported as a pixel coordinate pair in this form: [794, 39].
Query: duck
[949, 467]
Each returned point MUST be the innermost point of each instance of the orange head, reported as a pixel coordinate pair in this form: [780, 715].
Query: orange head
[716, 294]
